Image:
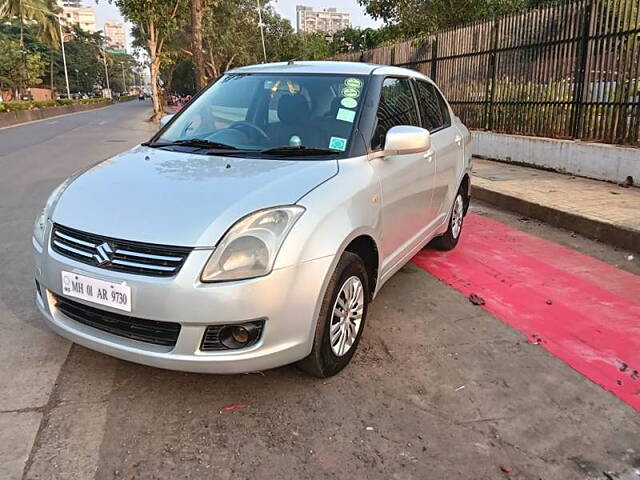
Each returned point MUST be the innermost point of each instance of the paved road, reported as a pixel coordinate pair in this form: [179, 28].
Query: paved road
[34, 159]
[439, 389]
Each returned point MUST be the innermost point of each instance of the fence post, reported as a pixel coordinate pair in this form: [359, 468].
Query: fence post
[581, 71]
[491, 77]
[434, 57]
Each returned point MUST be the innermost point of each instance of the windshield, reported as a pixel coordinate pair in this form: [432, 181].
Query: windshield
[277, 112]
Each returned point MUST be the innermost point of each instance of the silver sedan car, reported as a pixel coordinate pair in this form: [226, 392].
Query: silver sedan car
[255, 228]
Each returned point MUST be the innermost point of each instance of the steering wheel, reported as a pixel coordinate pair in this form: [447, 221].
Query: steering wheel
[252, 127]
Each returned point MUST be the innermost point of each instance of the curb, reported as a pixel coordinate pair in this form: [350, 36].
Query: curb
[608, 233]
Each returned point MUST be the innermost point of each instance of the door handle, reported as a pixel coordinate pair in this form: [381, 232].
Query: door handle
[428, 156]
[458, 139]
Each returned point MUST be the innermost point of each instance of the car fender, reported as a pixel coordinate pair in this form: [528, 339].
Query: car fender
[337, 211]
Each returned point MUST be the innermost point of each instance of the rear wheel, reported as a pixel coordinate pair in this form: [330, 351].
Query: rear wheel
[342, 318]
[449, 240]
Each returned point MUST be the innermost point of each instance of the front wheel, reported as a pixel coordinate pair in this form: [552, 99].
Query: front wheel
[341, 320]
[449, 240]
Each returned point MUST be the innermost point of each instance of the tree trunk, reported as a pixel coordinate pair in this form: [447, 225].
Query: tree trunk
[51, 86]
[158, 112]
[168, 79]
[23, 52]
[154, 68]
[196, 43]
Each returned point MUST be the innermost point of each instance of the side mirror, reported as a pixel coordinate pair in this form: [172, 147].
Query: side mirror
[164, 120]
[404, 139]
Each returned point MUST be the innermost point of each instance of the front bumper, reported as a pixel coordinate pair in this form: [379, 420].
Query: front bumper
[288, 299]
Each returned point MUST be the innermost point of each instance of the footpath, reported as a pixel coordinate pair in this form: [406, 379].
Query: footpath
[600, 210]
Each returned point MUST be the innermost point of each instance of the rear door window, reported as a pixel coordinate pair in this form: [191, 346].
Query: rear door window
[433, 109]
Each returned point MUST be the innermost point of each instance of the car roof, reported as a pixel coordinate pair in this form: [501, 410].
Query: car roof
[345, 68]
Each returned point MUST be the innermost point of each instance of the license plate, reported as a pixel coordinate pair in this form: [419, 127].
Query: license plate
[114, 295]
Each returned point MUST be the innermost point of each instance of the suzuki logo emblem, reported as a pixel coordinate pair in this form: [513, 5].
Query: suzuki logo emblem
[103, 254]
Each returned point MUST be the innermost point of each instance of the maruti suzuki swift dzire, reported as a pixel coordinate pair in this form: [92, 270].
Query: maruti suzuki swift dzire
[255, 228]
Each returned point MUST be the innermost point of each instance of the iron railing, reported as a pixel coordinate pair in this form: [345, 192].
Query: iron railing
[570, 70]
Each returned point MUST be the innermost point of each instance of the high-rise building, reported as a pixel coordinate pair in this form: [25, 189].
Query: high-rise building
[115, 35]
[328, 20]
[73, 13]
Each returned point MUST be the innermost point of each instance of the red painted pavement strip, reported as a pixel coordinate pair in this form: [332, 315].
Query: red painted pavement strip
[593, 321]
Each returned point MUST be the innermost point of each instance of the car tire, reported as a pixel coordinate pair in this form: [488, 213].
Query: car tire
[450, 239]
[349, 286]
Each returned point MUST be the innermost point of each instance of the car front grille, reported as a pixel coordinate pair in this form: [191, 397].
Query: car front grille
[149, 331]
[121, 255]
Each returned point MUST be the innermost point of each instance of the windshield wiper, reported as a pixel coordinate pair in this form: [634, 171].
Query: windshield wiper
[287, 150]
[194, 142]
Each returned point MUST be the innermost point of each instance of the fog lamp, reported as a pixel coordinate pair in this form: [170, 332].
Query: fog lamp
[239, 336]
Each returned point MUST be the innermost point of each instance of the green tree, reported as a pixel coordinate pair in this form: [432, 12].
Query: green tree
[155, 22]
[83, 61]
[358, 39]
[16, 69]
[231, 36]
[411, 18]
[38, 11]
[117, 63]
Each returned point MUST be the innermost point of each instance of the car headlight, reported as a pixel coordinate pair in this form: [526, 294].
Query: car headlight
[250, 247]
[40, 225]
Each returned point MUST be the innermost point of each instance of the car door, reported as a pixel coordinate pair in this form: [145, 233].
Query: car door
[405, 180]
[447, 145]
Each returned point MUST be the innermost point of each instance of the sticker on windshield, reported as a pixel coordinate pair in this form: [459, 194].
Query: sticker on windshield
[350, 92]
[353, 83]
[346, 115]
[349, 102]
[338, 143]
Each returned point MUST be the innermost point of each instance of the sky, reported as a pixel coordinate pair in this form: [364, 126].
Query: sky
[287, 8]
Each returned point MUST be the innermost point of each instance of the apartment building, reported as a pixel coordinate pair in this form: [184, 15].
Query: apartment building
[328, 20]
[73, 13]
[115, 35]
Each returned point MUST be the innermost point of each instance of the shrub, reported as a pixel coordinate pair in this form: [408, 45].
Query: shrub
[18, 105]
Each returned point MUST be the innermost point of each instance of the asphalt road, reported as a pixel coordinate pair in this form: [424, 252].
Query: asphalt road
[398, 412]
[34, 159]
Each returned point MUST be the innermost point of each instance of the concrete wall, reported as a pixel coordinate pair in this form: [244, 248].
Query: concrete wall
[21, 116]
[592, 160]
[40, 93]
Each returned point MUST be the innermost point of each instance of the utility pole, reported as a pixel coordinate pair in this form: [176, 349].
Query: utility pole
[124, 80]
[23, 52]
[64, 57]
[264, 49]
[106, 71]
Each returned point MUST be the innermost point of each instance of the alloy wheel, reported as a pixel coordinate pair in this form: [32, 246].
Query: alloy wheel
[347, 316]
[456, 216]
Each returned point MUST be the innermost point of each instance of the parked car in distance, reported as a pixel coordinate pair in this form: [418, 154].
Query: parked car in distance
[255, 228]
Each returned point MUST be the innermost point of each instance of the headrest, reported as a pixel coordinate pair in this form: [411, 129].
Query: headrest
[335, 106]
[293, 109]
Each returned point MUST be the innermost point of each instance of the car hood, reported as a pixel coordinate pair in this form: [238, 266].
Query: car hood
[174, 198]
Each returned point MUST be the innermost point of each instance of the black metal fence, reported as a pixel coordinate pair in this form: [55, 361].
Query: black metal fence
[570, 70]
